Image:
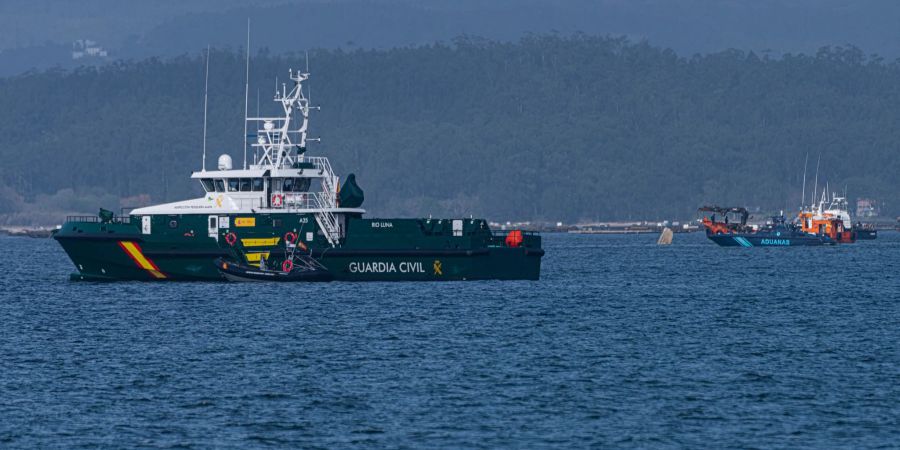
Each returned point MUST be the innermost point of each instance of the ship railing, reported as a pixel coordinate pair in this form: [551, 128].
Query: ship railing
[303, 200]
[498, 237]
[299, 200]
[320, 162]
[96, 219]
[504, 233]
[326, 219]
[328, 180]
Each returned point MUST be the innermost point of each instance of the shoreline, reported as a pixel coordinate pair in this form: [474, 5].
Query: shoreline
[25, 231]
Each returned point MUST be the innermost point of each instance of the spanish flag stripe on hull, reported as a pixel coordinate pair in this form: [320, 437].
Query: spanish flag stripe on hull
[134, 252]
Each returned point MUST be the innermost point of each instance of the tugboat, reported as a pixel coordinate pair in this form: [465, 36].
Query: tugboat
[285, 199]
[832, 217]
[733, 231]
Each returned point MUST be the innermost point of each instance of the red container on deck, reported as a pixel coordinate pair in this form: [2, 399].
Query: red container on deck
[514, 238]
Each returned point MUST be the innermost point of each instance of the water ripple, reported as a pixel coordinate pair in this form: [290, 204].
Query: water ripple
[622, 343]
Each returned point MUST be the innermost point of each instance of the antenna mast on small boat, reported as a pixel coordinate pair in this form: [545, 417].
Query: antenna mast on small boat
[205, 103]
[816, 185]
[246, 92]
[803, 196]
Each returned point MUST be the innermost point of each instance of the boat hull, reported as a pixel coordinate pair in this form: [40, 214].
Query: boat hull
[390, 251]
[755, 240]
[866, 235]
[485, 264]
[106, 262]
[132, 259]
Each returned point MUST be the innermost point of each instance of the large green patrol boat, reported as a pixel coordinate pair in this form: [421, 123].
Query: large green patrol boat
[282, 204]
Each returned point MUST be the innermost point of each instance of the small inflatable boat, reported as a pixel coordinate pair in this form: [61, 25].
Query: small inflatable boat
[305, 269]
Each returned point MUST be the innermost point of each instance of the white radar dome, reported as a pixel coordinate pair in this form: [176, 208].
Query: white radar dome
[268, 125]
[224, 162]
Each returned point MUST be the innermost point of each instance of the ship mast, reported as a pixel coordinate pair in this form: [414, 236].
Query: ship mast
[803, 195]
[275, 139]
[246, 92]
[205, 104]
[816, 184]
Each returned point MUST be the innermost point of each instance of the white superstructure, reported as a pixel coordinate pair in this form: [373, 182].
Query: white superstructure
[834, 207]
[281, 178]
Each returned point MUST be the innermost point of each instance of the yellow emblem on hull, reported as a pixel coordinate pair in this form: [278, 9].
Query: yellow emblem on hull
[254, 257]
[438, 270]
[245, 221]
[260, 242]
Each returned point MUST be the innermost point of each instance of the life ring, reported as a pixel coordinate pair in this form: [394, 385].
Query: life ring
[290, 237]
[231, 238]
[287, 265]
[277, 200]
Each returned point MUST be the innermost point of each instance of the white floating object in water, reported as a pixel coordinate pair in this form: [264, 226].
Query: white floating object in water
[665, 238]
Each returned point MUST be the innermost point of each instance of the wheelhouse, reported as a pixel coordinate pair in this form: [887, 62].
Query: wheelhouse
[724, 220]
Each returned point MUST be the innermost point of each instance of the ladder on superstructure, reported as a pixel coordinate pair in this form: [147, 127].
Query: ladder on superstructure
[326, 201]
[279, 150]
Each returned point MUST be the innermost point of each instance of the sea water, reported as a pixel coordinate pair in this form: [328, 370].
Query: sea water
[621, 343]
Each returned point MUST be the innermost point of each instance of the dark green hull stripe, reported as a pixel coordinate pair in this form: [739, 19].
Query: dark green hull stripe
[340, 252]
[100, 237]
[186, 253]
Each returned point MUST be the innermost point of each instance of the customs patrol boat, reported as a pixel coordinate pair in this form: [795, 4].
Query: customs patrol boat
[283, 205]
[735, 232]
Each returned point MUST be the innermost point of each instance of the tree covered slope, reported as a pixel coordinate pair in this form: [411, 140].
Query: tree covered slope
[550, 127]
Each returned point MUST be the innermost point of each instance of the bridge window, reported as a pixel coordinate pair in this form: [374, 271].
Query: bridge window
[208, 184]
[220, 185]
[302, 184]
[245, 185]
[277, 184]
[288, 185]
[233, 184]
[257, 184]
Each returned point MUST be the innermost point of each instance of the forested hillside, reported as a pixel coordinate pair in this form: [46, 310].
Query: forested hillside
[548, 128]
[39, 33]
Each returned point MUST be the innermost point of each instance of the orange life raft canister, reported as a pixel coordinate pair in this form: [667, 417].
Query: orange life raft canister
[514, 238]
